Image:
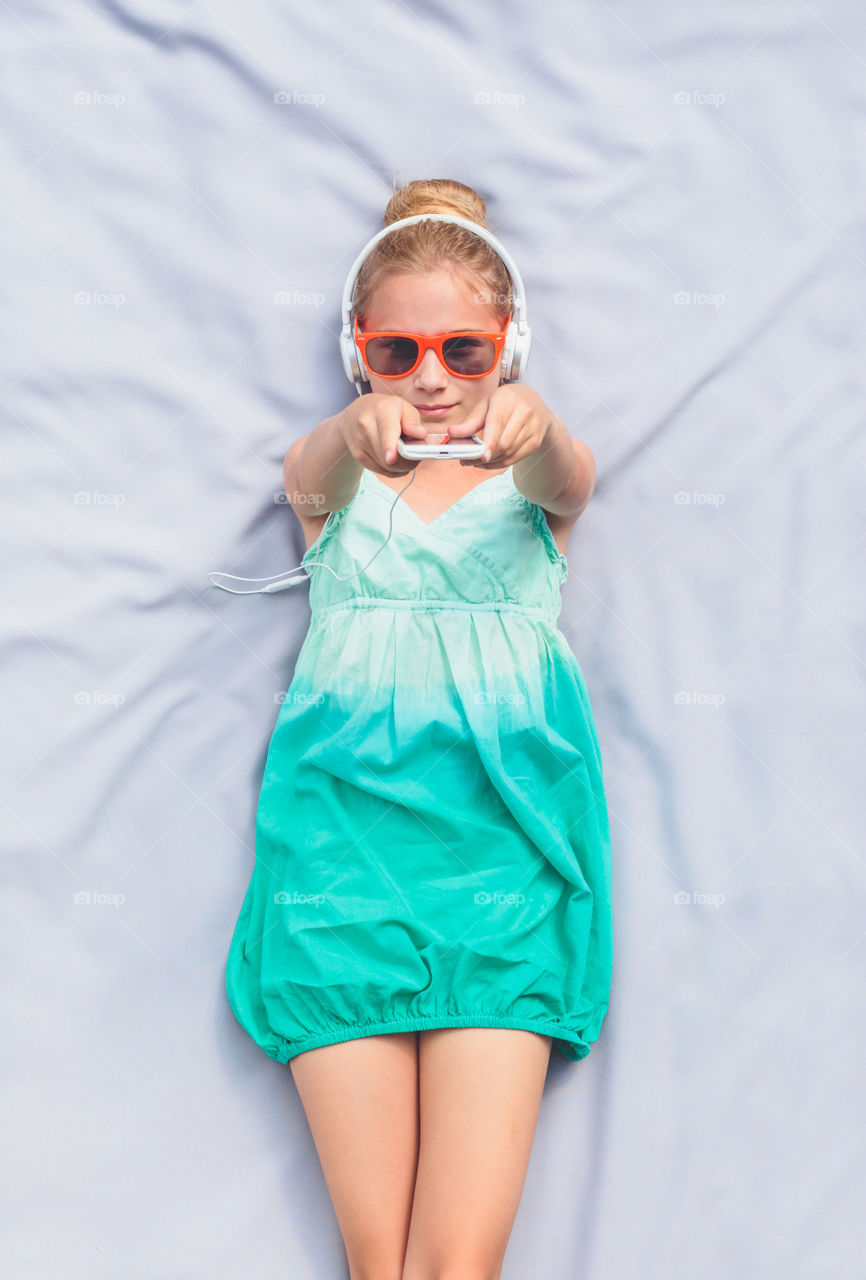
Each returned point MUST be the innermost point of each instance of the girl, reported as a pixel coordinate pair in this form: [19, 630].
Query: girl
[430, 906]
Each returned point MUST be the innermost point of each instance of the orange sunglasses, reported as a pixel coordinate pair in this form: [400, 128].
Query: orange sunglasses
[396, 355]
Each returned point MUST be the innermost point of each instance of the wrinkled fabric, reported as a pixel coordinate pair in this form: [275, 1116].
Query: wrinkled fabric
[432, 838]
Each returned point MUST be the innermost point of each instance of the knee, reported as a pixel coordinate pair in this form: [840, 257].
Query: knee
[375, 1271]
[371, 1264]
[464, 1273]
[454, 1270]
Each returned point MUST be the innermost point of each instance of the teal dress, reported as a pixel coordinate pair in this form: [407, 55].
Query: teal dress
[432, 839]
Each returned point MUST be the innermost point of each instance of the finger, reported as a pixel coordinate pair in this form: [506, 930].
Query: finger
[392, 419]
[411, 422]
[502, 431]
[472, 423]
[512, 447]
[389, 433]
[498, 411]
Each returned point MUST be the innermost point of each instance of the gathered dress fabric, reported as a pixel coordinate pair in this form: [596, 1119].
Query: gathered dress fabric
[432, 837]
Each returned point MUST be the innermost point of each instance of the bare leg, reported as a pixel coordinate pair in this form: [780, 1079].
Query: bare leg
[480, 1093]
[361, 1101]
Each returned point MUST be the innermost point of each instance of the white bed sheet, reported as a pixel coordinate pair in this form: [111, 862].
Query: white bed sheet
[682, 189]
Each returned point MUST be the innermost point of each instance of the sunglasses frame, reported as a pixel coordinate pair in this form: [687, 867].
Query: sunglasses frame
[427, 342]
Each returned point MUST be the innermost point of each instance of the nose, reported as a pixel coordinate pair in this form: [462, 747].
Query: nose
[430, 373]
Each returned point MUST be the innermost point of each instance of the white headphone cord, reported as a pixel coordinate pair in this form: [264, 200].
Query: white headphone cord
[282, 582]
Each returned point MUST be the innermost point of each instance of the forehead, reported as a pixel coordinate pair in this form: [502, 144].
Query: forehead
[430, 302]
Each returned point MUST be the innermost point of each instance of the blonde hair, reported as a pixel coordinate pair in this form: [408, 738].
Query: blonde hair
[428, 246]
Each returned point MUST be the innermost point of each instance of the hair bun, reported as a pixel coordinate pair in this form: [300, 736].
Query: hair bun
[435, 195]
[432, 246]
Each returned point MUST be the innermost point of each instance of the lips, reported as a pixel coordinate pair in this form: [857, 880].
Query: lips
[433, 408]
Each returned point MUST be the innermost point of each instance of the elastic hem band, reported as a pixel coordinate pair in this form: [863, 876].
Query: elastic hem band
[283, 1050]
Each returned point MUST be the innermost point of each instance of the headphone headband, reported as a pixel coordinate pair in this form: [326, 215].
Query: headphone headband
[517, 346]
[510, 264]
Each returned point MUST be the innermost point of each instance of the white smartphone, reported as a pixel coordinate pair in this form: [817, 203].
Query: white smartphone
[437, 447]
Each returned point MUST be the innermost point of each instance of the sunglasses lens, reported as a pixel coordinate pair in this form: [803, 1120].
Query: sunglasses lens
[464, 353]
[469, 355]
[391, 356]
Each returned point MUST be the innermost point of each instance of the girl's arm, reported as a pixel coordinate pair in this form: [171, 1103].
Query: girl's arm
[560, 474]
[319, 472]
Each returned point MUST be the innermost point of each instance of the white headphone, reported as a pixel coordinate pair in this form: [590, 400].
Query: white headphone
[515, 354]
[518, 335]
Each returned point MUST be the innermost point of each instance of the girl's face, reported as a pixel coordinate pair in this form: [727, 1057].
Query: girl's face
[429, 303]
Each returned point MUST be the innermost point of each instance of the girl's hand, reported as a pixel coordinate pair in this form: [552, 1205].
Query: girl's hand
[513, 422]
[371, 426]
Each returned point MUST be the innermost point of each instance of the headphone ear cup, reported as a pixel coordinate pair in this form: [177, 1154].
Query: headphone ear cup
[352, 359]
[508, 351]
[515, 352]
[520, 357]
[345, 354]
